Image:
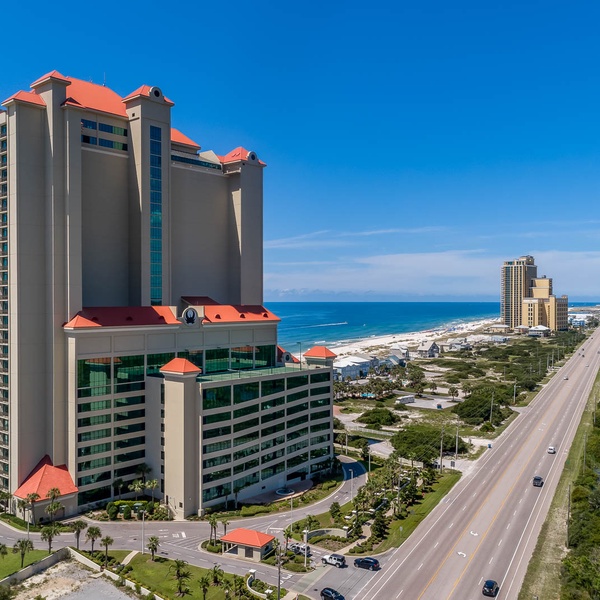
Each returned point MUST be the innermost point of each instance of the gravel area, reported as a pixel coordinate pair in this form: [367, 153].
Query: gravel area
[68, 580]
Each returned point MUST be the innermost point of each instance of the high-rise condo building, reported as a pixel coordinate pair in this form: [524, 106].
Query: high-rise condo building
[132, 329]
[527, 299]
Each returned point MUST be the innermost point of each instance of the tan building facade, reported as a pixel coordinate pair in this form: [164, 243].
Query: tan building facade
[528, 300]
[124, 246]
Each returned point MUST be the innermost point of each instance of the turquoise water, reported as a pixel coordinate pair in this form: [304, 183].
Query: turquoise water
[331, 323]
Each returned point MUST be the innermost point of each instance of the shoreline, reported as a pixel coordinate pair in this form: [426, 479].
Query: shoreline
[411, 340]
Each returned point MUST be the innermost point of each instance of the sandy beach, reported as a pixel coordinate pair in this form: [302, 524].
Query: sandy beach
[383, 344]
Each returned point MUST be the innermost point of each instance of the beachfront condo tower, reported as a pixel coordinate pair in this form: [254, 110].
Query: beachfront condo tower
[527, 299]
[133, 334]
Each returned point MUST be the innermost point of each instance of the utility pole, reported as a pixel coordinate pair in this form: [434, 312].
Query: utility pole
[442, 451]
[584, 445]
[278, 572]
[491, 408]
[346, 442]
[515, 393]
[456, 451]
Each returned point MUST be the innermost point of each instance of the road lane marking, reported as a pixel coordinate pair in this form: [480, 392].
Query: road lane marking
[420, 567]
[491, 559]
[499, 542]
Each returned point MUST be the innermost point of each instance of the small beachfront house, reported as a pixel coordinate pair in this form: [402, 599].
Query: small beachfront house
[428, 349]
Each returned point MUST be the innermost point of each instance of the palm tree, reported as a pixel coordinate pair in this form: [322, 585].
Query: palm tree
[52, 509]
[118, 486]
[227, 587]
[77, 527]
[143, 470]
[216, 575]
[53, 494]
[5, 497]
[432, 386]
[287, 534]
[182, 576]
[152, 545]
[22, 506]
[22, 547]
[239, 585]
[453, 392]
[204, 583]
[106, 541]
[151, 485]
[93, 534]
[224, 522]
[137, 486]
[3, 551]
[32, 499]
[49, 532]
[212, 521]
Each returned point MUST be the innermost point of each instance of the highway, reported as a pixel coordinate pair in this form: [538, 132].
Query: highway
[487, 527]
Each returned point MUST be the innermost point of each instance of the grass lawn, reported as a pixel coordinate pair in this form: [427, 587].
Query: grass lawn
[11, 563]
[401, 530]
[157, 577]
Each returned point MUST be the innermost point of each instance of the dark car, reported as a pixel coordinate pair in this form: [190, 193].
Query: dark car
[330, 594]
[367, 562]
[490, 588]
[538, 481]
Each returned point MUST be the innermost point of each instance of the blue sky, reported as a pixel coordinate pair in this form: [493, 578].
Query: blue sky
[411, 147]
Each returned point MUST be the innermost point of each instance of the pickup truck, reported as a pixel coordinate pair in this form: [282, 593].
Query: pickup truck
[337, 560]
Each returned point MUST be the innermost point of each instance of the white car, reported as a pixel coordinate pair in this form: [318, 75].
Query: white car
[551, 450]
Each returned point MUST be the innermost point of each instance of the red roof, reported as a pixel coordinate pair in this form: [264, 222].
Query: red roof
[180, 365]
[122, 316]
[52, 75]
[43, 478]
[29, 97]
[237, 155]
[95, 97]
[224, 313]
[320, 352]
[144, 90]
[248, 537]
[179, 138]
[281, 351]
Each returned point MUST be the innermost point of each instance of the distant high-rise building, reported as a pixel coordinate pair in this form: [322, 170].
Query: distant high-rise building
[516, 279]
[528, 299]
[132, 331]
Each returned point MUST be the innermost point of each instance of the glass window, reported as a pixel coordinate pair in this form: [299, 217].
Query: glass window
[297, 460]
[245, 425]
[280, 439]
[218, 491]
[320, 390]
[94, 373]
[218, 432]
[272, 456]
[319, 452]
[216, 418]
[320, 415]
[218, 397]
[297, 446]
[246, 438]
[294, 435]
[95, 478]
[95, 420]
[216, 475]
[272, 403]
[216, 461]
[131, 414]
[297, 396]
[133, 428]
[272, 386]
[130, 442]
[298, 421]
[156, 361]
[292, 410]
[216, 447]
[94, 495]
[319, 427]
[94, 464]
[247, 466]
[130, 401]
[246, 391]
[272, 470]
[88, 436]
[239, 454]
[127, 456]
[320, 377]
[217, 360]
[272, 429]
[294, 382]
[248, 410]
[264, 356]
[89, 139]
[278, 414]
[87, 124]
[95, 449]
[129, 373]
[91, 406]
[242, 358]
[320, 439]
[129, 470]
[317, 403]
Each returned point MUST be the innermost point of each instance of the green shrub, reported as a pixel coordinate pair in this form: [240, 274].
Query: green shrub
[127, 512]
[113, 511]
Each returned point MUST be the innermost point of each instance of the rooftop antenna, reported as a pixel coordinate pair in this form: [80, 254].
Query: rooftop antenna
[104, 84]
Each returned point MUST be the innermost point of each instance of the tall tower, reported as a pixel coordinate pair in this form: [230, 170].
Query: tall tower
[516, 281]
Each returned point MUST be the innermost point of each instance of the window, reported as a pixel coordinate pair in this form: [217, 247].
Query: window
[272, 386]
[154, 362]
[273, 429]
[216, 418]
[297, 446]
[242, 358]
[130, 401]
[218, 491]
[95, 478]
[292, 410]
[317, 403]
[248, 410]
[297, 460]
[320, 390]
[94, 377]
[294, 435]
[264, 356]
[216, 475]
[94, 495]
[96, 449]
[297, 396]
[217, 360]
[128, 456]
[247, 466]
[95, 420]
[320, 439]
[96, 463]
[273, 442]
[130, 442]
[218, 432]
[272, 470]
[245, 425]
[216, 447]
[112, 144]
[89, 139]
[319, 452]
[246, 391]
[272, 403]
[320, 415]
[131, 414]
[216, 397]
[246, 439]
[87, 124]
[112, 129]
[91, 406]
[216, 461]
[320, 377]
[294, 382]
[88, 436]
[278, 414]
[272, 456]
[239, 454]
[155, 216]
[319, 427]
[297, 421]
[134, 428]
[129, 373]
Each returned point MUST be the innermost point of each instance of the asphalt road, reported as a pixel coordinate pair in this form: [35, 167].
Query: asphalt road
[487, 527]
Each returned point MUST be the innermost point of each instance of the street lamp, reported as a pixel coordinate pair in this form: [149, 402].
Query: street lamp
[143, 515]
[291, 510]
[278, 572]
[351, 484]
[305, 546]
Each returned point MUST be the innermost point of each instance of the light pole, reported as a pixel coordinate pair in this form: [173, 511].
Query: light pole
[291, 510]
[351, 484]
[305, 546]
[143, 516]
[278, 572]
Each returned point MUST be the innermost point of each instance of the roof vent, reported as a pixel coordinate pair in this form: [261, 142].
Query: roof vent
[217, 316]
[155, 93]
[265, 315]
[242, 316]
[129, 318]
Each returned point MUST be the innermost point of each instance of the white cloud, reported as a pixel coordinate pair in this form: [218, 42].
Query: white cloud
[453, 273]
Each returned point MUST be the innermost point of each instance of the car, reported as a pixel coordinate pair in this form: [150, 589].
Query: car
[330, 594]
[366, 562]
[551, 450]
[490, 588]
[566, 377]
[337, 560]
[538, 481]
[587, 365]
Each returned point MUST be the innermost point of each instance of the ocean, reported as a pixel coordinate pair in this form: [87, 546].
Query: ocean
[306, 324]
